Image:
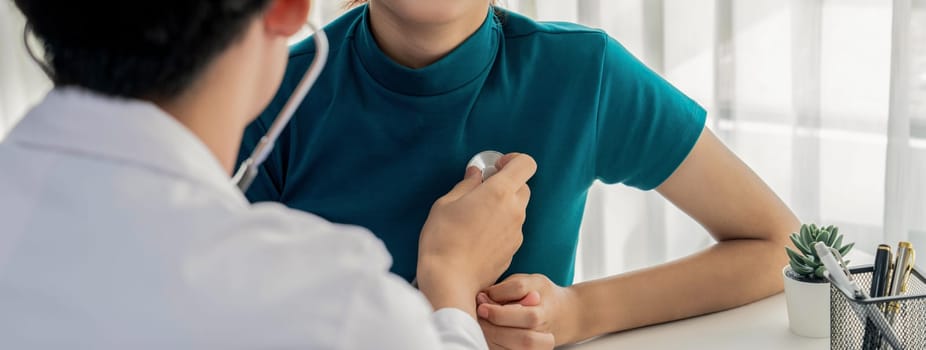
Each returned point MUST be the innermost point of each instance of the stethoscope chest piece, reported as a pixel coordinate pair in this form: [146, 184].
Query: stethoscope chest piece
[485, 161]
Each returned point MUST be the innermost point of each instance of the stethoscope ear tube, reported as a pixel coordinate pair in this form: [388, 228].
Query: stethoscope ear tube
[249, 168]
[245, 175]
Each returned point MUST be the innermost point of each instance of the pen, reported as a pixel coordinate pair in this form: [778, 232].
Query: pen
[902, 268]
[881, 274]
[879, 283]
[838, 273]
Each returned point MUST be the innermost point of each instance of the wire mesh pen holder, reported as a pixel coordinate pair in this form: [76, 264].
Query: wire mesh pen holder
[897, 322]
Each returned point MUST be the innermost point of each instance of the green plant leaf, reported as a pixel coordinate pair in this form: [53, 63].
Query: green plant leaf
[845, 250]
[801, 269]
[805, 236]
[832, 237]
[794, 255]
[823, 237]
[799, 258]
[797, 243]
[819, 271]
[838, 243]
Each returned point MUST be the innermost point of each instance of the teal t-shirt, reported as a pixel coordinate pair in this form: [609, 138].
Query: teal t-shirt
[376, 143]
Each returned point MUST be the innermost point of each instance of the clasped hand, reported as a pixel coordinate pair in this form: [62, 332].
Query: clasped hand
[526, 312]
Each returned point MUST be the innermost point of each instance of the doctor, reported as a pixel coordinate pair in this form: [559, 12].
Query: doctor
[120, 228]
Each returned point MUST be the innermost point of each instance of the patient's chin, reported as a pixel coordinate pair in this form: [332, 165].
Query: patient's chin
[433, 12]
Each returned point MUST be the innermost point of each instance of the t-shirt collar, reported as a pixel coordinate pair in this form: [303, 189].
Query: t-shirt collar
[461, 66]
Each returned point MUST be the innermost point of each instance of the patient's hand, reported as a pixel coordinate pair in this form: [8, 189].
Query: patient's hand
[527, 312]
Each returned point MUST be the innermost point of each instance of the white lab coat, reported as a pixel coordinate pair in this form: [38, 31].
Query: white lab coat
[120, 230]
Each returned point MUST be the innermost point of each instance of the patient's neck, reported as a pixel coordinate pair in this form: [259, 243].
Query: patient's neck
[417, 45]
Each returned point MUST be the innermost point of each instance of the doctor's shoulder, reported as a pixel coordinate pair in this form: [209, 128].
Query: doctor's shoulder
[270, 261]
[298, 238]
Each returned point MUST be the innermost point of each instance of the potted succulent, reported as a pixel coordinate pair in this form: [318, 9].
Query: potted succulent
[806, 290]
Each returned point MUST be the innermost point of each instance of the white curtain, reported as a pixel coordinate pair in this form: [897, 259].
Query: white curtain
[825, 99]
[22, 83]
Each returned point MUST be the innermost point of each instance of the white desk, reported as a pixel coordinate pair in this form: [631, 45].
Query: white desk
[762, 325]
[758, 326]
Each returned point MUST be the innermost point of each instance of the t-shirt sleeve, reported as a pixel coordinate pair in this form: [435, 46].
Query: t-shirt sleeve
[268, 184]
[646, 127]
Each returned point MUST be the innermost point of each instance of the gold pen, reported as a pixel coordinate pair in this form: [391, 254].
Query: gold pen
[899, 277]
[907, 268]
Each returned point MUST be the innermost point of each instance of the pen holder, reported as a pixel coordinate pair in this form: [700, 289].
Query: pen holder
[864, 324]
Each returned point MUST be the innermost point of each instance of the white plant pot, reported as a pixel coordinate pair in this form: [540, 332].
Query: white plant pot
[808, 306]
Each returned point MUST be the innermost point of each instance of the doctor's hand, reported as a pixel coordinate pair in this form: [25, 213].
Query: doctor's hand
[527, 312]
[473, 232]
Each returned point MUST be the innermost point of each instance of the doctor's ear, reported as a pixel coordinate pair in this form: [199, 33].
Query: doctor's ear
[286, 17]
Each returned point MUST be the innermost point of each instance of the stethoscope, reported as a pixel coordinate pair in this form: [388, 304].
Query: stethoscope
[485, 161]
[249, 168]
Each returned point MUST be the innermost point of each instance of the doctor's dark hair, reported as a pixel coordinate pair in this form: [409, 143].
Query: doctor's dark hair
[136, 49]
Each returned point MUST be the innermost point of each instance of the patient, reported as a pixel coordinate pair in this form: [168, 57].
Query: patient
[416, 88]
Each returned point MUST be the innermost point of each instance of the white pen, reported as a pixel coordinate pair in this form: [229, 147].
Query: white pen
[838, 274]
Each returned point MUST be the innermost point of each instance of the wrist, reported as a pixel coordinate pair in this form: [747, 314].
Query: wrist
[581, 313]
[444, 287]
[571, 312]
